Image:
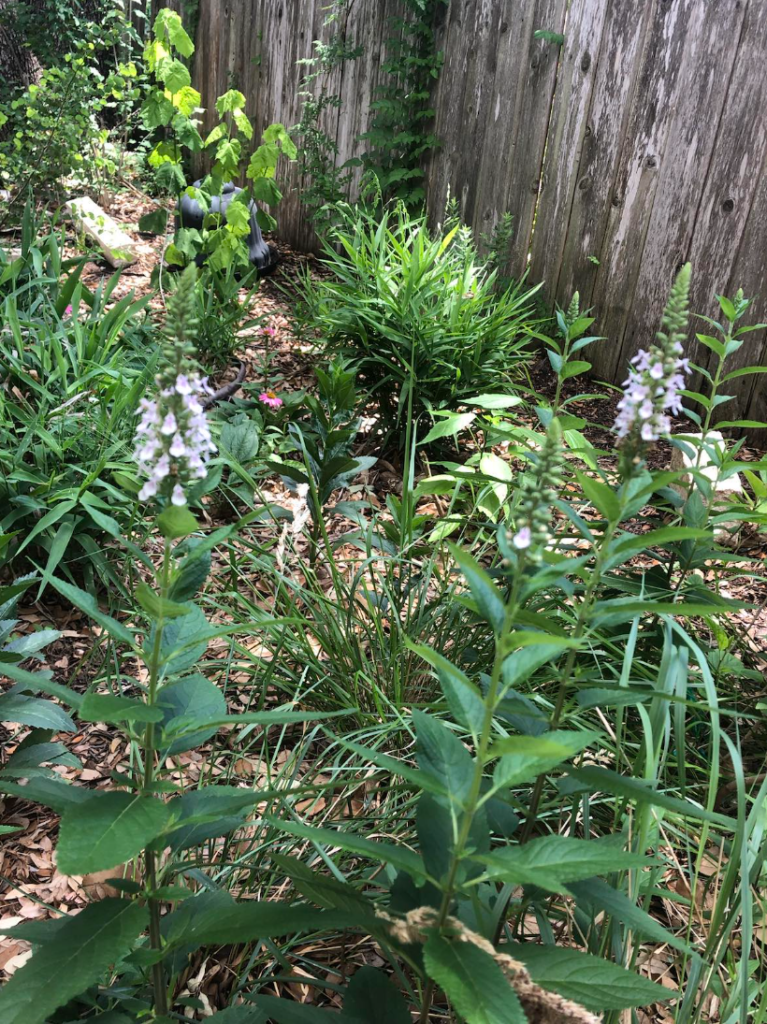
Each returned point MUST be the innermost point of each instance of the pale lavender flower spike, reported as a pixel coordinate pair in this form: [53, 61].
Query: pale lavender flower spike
[652, 389]
[173, 439]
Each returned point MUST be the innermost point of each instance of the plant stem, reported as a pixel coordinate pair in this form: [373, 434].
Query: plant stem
[483, 744]
[564, 681]
[155, 937]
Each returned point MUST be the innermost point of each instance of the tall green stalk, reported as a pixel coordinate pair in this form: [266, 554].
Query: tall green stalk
[483, 745]
[155, 937]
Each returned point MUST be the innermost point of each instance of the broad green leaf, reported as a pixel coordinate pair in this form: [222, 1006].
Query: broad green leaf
[230, 101]
[214, 918]
[451, 424]
[177, 34]
[181, 646]
[484, 591]
[36, 754]
[107, 707]
[603, 498]
[192, 573]
[32, 643]
[82, 600]
[552, 861]
[175, 76]
[523, 663]
[39, 682]
[85, 946]
[575, 367]
[177, 521]
[186, 703]
[321, 888]
[595, 983]
[436, 834]
[40, 714]
[372, 997]
[524, 758]
[493, 401]
[441, 754]
[154, 223]
[158, 607]
[208, 812]
[53, 793]
[463, 697]
[473, 982]
[108, 830]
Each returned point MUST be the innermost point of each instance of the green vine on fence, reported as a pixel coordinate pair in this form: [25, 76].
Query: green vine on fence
[399, 133]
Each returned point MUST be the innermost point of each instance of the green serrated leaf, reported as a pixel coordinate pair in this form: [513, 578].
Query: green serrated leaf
[472, 980]
[108, 830]
[595, 983]
[83, 949]
[107, 707]
[186, 705]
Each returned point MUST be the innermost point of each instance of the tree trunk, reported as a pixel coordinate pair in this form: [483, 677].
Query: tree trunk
[18, 65]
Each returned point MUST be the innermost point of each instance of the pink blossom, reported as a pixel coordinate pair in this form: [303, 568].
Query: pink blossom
[68, 311]
[270, 332]
[271, 399]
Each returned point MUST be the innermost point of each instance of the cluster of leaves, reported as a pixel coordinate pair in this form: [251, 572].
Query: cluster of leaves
[419, 316]
[172, 104]
[55, 28]
[324, 445]
[399, 134]
[56, 128]
[73, 366]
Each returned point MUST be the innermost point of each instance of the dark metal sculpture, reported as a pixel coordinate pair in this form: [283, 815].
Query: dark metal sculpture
[261, 255]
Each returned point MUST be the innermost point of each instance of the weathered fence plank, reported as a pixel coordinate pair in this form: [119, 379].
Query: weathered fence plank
[562, 177]
[640, 142]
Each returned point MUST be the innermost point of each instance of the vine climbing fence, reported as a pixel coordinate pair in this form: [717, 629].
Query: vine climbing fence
[623, 137]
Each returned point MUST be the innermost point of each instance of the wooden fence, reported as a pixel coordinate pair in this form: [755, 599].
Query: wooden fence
[639, 143]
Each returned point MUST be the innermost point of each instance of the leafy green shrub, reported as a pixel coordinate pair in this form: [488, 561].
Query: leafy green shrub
[172, 105]
[419, 316]
[56, 128]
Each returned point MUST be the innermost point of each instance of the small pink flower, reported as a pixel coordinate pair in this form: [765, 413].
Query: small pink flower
[68, 311]
[271, 399]
[270, 332]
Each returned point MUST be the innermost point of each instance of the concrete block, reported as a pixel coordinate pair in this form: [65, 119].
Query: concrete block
[118, 247]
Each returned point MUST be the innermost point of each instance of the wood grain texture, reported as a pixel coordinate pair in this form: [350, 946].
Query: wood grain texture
[640, 142]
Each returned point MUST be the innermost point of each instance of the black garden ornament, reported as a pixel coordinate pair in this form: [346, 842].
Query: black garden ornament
[191, 215]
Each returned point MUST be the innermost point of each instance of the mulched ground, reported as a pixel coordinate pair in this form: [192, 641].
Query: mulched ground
[30, 885]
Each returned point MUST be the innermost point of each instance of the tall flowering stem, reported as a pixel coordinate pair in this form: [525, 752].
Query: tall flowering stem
[539, 490]
[652, 390]
[173, 439]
